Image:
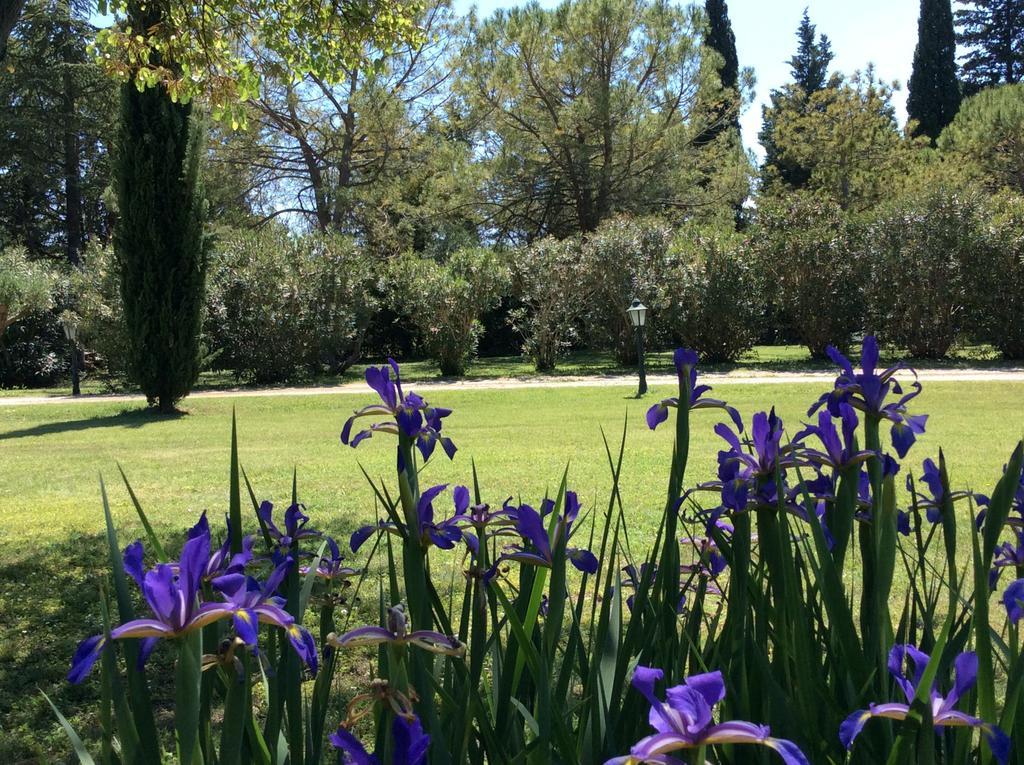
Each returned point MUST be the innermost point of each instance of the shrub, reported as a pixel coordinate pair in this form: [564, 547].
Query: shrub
[444, 301]
[282, 305]
[31, 341]
[716, 302]
[922, 242]
[97, 290]
[549, 281]
[805, 248]
[624, 259]
[995, 275]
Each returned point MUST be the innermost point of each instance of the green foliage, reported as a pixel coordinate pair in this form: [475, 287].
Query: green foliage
[807, 250]
[281, 305]
[102, 331]
[445, 299]
[159, 241]
[844, 140]
[716, 294]
[934, 90]
[585, 111]
[55, 133]
[808, 69]
[924, 239]
[549, 280]
[26, 286]
[625, 259]
[994, 274]
[204, 49]
[991, 32]
[986, 138]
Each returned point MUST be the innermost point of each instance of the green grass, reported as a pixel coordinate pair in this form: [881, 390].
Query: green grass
[50, 549]
[761, 358]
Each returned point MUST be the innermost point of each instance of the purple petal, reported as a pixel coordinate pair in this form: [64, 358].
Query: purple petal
[410, 742]
[351, 751]
[133, 561]
[88, 651]
[644, 680]
[658, 413]
[583, 560]
[461, 497]
[710, 685]
[246, 626]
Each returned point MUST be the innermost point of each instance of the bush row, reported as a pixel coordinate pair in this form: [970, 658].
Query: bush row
[282, 306]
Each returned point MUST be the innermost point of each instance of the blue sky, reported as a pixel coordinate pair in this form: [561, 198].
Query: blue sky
[883, 32]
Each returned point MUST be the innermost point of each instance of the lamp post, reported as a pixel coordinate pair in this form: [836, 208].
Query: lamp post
[637, 313]
[70, 325]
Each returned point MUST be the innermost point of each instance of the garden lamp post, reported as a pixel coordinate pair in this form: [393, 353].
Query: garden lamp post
[70, 325]
[637, 313]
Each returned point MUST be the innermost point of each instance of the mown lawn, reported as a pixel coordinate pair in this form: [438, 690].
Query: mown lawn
[52, 456]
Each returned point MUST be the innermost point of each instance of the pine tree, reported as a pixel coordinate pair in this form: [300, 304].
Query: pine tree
[934, 91]
[809, 70]
[993, 33]
[159, 239]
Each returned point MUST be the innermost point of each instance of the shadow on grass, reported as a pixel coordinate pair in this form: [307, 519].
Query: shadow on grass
[49, 598]
[129, 418]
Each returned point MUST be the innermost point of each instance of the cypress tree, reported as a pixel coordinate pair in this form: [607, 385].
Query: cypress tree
[158, 239]
[809, 67]
[934, 91]
[723, 109]
[993, 33]
[720, 38]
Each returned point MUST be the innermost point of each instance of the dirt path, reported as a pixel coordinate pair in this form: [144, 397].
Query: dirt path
[508, 383]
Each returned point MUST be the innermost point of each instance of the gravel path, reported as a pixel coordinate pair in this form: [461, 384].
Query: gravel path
[508, 383]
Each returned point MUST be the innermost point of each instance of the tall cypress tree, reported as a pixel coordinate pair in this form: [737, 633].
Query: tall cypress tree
[993, 33]
[158, 238]
[934, 91]
[723, 111]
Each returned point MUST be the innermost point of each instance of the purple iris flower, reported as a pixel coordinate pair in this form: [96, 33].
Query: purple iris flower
[444, 534]
[221, 560]
[823, 487]
[409, 744]
[932, 501]
[867, 390]
[172, 594]
[1007, 554]
[530, 526]
[404, 413]
[684, 721]
[253, 604]
[747, 479]
[965, 668]
[397, 633]
[1016, 517]
[480, 518]
[295, 528]
[1013, 599]
[686, 367]
[839, 450]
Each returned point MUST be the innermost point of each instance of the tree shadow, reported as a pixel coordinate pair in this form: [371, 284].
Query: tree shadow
[129, 418]
[49, 595]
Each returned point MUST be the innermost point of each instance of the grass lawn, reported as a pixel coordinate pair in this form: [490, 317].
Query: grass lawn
[768, 358]
[51, 556]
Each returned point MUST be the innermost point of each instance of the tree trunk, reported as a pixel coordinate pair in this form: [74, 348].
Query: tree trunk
[72, 154]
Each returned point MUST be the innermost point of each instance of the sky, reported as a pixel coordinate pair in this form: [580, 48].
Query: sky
[882, 32]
